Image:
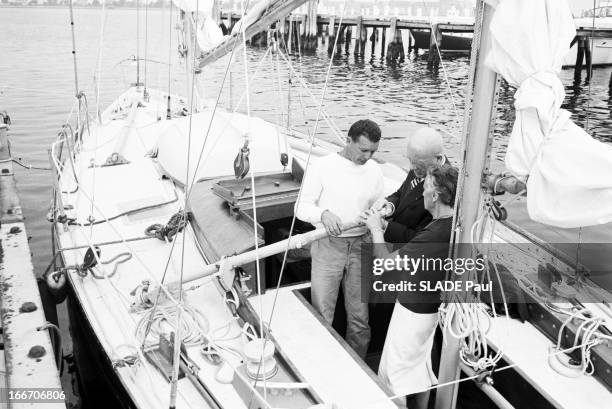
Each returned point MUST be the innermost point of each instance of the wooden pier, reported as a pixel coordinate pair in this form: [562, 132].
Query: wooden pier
[303, 31]
[300, 31]
[27, 358]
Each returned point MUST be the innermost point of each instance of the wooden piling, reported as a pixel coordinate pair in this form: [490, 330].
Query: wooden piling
[587, 57]
[435, 42]
[358, 29]
[382, 42]
[373, 38]
[331, 34]
[290, 37]
[395, 48]
[281, 25]
[302, 31]
[362, 41]
[347, 40]
[579, 59]
[310, 30]
[342, 29]
[409, 41]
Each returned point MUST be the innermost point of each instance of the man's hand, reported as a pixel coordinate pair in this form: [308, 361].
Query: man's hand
[332, 223]
[383, 207]
[372, 220]
[497, 184]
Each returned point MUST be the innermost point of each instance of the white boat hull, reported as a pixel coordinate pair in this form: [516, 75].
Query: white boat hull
[122, 200]
[601, 53]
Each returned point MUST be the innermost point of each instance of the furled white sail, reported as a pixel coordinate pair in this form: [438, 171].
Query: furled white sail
[258, 19]
[208, 33]
[252, 16]
[569, 173]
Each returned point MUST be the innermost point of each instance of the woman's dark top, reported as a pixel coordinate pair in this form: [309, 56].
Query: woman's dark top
[430, 243]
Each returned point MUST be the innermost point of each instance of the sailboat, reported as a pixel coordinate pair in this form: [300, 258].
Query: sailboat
[599, 17]
[166, 235]
[171, 209]
[549, 360]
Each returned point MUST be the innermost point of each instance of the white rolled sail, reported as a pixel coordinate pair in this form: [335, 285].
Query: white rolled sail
[569, 174]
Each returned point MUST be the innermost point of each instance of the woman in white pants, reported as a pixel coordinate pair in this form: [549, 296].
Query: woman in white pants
[405, 364]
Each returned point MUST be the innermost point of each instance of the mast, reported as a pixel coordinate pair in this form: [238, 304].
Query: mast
[137, 43]
[188, 32]
[192, 50]
[476, 145]
[74, 60]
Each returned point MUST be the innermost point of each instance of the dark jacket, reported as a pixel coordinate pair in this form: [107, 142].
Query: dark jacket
[410, 215]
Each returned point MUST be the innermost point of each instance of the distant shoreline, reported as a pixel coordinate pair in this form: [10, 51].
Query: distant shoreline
[76, 6]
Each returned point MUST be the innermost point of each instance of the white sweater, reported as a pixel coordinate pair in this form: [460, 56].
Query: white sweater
[344, 188]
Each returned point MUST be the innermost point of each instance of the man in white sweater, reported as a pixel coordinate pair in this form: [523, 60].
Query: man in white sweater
[336, 190]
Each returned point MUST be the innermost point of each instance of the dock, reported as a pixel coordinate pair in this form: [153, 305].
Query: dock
[302, 31]
[29, 376]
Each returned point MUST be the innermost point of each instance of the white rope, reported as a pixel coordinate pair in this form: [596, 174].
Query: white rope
[402, 394]
[167, 316]
[121, 317]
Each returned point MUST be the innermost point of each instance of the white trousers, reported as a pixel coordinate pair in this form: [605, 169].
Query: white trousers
[405, 364]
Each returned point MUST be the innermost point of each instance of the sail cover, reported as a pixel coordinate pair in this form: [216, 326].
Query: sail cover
[569, 174]
[213, 142]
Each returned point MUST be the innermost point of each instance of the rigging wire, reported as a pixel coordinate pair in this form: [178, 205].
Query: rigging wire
[444, 73]
[253, 193]
[137, 43]
[189, 186]
[146, 44]
[177, 342]
[587, 115]
[312, 141]
[334, 128]
[97, 84]
[97, 76]
[168, 109]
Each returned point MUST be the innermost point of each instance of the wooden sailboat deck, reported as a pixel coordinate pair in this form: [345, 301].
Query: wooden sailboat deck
[303, 332]
[531, 362]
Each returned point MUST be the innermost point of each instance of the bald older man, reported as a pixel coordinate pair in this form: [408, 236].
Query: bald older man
[423, 151]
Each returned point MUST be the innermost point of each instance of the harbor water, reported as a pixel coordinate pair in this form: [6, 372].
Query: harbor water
[37, 88]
